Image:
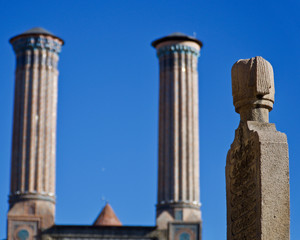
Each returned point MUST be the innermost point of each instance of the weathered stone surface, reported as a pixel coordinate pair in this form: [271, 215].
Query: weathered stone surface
[257, 167]
[253, 88]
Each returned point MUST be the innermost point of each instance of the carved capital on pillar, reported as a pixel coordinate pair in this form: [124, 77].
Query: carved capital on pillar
[253, 89]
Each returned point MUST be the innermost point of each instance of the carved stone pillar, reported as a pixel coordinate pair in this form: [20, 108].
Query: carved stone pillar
[32, 189]
[257, 166]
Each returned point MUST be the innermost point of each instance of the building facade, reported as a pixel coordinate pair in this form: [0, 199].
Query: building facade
[31, 212]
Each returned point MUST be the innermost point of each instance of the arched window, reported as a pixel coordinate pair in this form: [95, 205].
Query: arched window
[184, 236]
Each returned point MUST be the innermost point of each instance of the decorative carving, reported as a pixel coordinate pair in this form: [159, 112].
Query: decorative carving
[23, 230]
[180, 231]
[253, 89]
[257, 169]
[180, 48]
[37, 42]
[242, 179]
[252, 84]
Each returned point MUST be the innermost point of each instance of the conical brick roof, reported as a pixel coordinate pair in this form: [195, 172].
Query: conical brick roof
[107, 217]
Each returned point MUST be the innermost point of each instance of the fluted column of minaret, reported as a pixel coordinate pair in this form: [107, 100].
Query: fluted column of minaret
[34, 128]
[178, 143]
[178, 180]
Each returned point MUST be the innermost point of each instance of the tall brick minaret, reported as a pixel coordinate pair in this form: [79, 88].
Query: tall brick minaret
[178, 173]
[32, 191]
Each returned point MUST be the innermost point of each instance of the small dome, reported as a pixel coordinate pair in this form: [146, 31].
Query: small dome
[37, 30]
[176, 36]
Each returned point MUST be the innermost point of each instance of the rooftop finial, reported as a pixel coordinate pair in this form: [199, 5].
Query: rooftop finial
[253, 89]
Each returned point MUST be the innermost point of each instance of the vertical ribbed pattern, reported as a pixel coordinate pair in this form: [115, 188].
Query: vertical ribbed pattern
[195, 121]
[54, 120]
[175, 134]
[34, 128]
[178, 177]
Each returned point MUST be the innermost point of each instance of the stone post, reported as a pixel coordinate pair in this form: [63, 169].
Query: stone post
[178, 172]
[32, 188]
[257, 166]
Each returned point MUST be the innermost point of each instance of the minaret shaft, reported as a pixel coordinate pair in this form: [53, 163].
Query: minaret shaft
[32, 189]
[178, 201]
[33, 150]
[178, 129]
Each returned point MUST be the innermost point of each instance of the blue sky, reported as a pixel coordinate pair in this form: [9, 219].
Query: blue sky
[107, 132]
